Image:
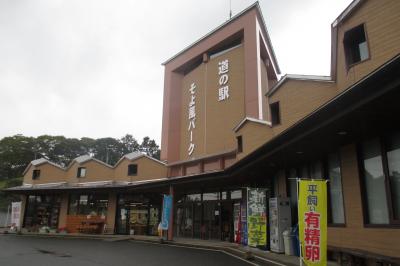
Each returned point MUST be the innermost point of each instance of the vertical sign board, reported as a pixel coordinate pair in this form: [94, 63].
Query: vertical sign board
[243, 220]
[313, 221]
[256, 218]
[15, 213]
[236, 222]
[166, 213]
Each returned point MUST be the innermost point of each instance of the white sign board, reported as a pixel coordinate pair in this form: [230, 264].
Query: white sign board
[15, 213]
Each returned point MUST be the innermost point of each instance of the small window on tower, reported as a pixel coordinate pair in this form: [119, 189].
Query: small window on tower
[275, 115]
[81, 172]
[355, 45]
[239, 140]
[132, 169]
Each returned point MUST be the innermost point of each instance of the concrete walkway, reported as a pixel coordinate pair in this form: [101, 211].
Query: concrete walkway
[258, 256]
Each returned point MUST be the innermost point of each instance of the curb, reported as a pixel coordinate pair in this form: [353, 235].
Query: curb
[66, 236]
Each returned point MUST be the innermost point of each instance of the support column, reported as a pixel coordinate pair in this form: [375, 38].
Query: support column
[171, 218]
[111, 212]
[24, 199]
[62, 218]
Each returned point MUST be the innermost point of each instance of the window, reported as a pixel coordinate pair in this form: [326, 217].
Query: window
[335, 190]
[304, 172]
[316, 170]
[393, 159]
[239, 140]
[42, 210]
[355, 45]
[35, 174]
[211, 196]
[81, 172]
[132, 169]
[236, 194]
[193, 197]
[291, 189]
[374, 183]
[327, 168]
[275, 115]
[88, 204]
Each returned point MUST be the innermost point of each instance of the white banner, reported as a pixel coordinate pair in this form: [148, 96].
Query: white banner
[15, 213]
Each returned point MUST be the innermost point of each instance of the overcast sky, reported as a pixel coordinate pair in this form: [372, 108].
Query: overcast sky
[93, 68]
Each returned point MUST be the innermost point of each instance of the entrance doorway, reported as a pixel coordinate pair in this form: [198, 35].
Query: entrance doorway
[138, 214]
[207, 215]
[42, 211]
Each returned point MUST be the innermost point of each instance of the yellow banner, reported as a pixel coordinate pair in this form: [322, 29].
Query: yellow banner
[313, 221]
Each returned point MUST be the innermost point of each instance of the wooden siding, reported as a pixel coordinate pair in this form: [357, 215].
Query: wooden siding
[355, 235]
[382, 26]
[298, 98]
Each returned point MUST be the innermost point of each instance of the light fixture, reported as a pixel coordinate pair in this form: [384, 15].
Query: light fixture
[342, 133]
[299, 152]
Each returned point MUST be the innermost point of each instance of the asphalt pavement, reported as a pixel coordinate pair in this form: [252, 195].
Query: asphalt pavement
[46, 251]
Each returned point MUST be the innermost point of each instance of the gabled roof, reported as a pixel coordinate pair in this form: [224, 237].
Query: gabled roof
[256, 6]
[40, 161]
[63, 186]
[85, 158]
[136, 155]
[298, 77]
[350, 9]
[251, 119]
[347, 12]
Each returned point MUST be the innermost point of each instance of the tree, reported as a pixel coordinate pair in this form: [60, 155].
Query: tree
[15, 154]
[150, 147]
[108, 150]
[129, 144]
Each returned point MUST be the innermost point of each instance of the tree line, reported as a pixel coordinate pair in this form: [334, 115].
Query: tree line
[17, 151]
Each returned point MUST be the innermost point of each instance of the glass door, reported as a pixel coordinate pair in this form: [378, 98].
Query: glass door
[154, 218]
[122, 220]
[138, 221]
[211, 220]
[227, 220]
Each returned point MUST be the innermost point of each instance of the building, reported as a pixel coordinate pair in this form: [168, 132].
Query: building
[231, 122]
[91, 196]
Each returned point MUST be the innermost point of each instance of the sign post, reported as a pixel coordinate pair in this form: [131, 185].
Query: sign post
[312, 202]
[256, 218]
[167, 204]
[15, 214]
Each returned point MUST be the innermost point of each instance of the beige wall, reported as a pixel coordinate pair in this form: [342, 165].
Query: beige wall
[265, 88]
[214, 119]
[382, 25]
[245, 27]
[355, 235]
[147, 169]
[95, 171]
[253, 136]
[298, 98]
[48, 174]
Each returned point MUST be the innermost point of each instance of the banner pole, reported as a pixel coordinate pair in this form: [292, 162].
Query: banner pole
[300, 249]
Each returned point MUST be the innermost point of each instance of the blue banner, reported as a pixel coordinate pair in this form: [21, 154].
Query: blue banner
[166, 213]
